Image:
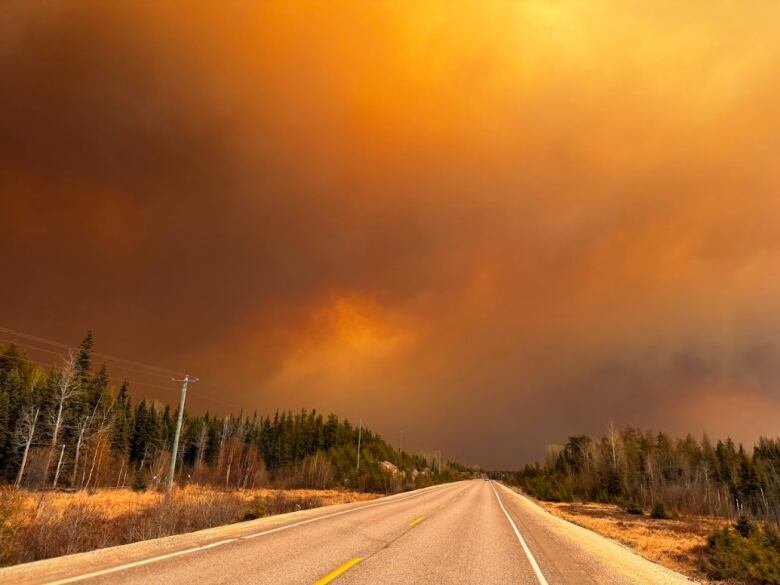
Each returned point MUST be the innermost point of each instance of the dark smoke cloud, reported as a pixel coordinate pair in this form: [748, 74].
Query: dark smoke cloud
[491, 227]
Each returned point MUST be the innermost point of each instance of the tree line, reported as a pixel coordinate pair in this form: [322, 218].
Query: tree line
[69, 427]
[646, 470]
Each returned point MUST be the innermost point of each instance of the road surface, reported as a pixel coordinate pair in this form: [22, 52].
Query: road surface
[467, 532]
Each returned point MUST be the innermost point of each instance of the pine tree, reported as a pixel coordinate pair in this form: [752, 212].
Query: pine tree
[140, 435]
[84, 358]
[120, 436]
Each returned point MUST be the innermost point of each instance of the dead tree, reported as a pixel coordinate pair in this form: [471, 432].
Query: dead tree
[99, 434]
[59, 466]
[612, 434]
[200, 445]
[66, 388]
[222, 441]
[86, 424]
[27, 432]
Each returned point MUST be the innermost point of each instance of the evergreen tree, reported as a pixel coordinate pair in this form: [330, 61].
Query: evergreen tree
[120, 436]
[84, 358]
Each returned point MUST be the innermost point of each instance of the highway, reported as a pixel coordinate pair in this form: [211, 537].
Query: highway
[467, 532]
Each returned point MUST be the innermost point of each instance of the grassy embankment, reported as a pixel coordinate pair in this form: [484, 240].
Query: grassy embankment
[39, 525]
[706, 549]
[675, 544]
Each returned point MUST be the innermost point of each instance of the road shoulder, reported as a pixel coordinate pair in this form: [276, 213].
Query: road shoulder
[611, 553]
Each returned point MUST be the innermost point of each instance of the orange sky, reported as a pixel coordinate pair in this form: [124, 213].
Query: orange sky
[489, 224]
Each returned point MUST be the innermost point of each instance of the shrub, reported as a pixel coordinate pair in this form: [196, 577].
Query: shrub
[752, 559]
[659, 511]
[743, 526]
[281, 503]
[140, 480]
[76, 528]
[256, 509]
[633, 508]
[550, 488]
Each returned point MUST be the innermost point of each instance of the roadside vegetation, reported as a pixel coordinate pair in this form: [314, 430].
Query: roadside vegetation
[40, 525]
[674, 543]
[647, 486]
[69, 428]
[745, 552]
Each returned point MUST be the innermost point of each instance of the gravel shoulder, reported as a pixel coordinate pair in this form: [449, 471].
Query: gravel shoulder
[602, 533]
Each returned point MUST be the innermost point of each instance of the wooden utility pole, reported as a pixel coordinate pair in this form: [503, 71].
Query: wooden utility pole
[360, 432]
[175, 449]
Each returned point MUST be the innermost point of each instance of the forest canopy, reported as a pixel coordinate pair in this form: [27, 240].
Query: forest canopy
[657, 472]
[70, 427]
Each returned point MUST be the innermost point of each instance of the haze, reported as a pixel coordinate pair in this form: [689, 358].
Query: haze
[490, 225]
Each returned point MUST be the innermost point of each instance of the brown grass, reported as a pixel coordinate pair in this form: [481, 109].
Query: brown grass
[36, 526]
[675, 544]
[111, 503]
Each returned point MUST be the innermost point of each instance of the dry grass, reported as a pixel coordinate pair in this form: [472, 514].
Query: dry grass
[675, 544]
[36, 526]
[111, 503]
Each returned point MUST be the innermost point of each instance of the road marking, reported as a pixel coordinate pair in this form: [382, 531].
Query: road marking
[139, 563]
[229, 540]
[318, 518]
[416, 521]
[338, 572]
[531, 559]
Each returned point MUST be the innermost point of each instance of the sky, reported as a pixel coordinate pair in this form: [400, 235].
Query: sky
[490, 225]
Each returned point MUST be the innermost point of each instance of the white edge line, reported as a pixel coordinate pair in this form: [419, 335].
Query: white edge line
[139, 563]
[229, 540]
[526, 550]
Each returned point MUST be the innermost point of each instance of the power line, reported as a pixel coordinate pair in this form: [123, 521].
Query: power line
[113, 378]
[159, 372]
[164, 372]
[115, 366]
[133, 382]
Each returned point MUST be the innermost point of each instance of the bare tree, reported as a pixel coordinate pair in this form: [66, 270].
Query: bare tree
[100, 435]
[86, 425]
[200, 445]
[234, 447]
[66, 389]
[59, 466]
[27, 432]
[612, 434]
[223, 440]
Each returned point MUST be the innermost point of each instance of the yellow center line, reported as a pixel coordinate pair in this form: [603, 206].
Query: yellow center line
[338, 572]
[416, 521]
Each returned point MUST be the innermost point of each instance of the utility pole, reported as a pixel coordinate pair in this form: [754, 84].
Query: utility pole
[360, 432]
[175, 449]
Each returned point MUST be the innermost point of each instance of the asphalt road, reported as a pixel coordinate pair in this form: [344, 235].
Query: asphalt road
[468, 532]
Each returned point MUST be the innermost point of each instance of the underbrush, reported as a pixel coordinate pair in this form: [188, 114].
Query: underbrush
[550, 488]
[673, 543]
[746, 553]
[48, 530]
